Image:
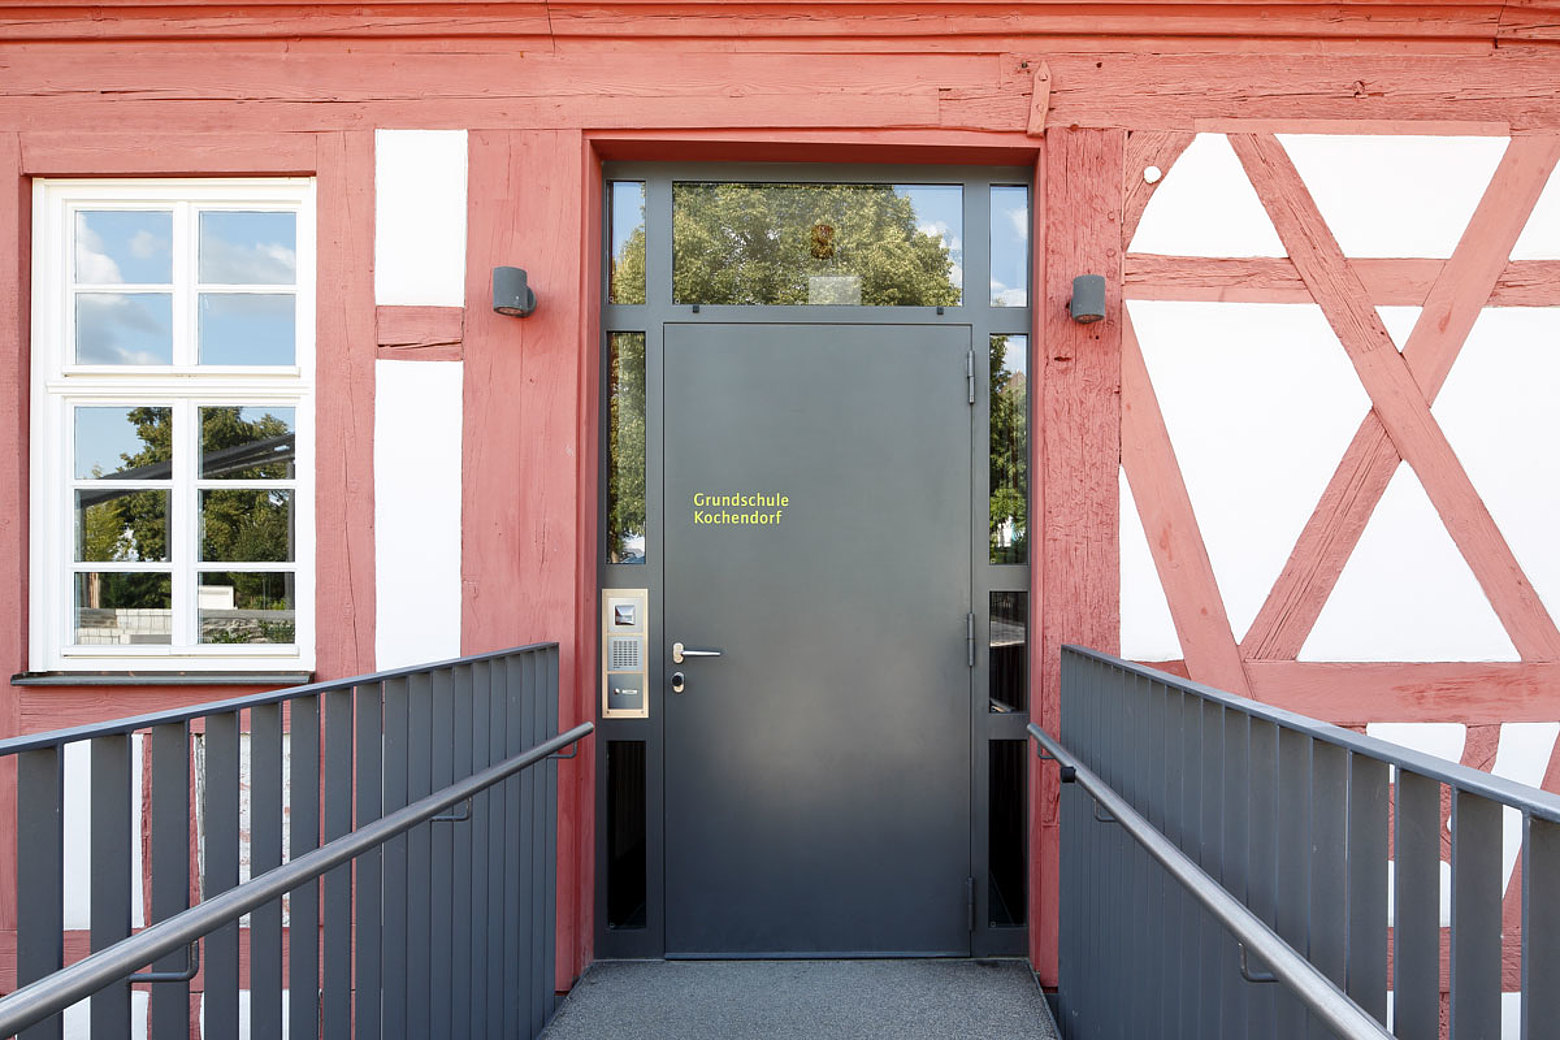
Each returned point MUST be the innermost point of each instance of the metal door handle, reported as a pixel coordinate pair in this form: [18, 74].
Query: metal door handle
[681, 653]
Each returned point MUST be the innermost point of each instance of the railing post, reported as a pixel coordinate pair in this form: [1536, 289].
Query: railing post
[265, 853]
[303, 947]
[170, 866]
[369, 892]
[40, 874]
[111, 873]
[221, 870]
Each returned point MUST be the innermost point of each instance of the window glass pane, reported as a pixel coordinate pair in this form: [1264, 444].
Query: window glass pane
[870, 244]
[246, 248]
[113, 609]
[1009, 247]
[1009, 449]
[123, 443]
[113, 523]
[1008, 645]
[247, 443]
[118, 247]
[124, 328]
[239, 607]
[247, 329]
[250, 526]
[627, 281]
[626, 449]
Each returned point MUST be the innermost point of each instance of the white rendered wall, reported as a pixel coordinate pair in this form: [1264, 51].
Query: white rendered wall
[417, 488]
[420, 217]
[1260, 401]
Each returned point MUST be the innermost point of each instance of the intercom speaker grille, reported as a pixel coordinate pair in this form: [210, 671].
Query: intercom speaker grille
[624, 654]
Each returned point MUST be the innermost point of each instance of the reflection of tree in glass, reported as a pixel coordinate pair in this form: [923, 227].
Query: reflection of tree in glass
[1009, 456]
[626, 448]
[750, 244]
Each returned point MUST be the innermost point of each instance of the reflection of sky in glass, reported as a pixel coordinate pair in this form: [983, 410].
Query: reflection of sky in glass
[244, 248]
[102, 436]
[939, 211]
[1016, 357]
[246, 329]
[628, 212]
[124, 329]
[116, 247]
[1009, 246]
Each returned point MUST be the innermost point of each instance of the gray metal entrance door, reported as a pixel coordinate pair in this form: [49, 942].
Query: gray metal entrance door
[817, 490]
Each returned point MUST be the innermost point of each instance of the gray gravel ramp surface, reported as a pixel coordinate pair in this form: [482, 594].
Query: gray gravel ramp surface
[804, 1000]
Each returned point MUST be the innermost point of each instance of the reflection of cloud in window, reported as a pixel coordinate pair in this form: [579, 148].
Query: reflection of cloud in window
[259, 263]
[1019, 218]
[116, 329]
[144, 245]
[93, 264]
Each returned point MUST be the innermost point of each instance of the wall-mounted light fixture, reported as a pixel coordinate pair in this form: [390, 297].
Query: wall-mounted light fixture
[1088, 299]
[511, 295]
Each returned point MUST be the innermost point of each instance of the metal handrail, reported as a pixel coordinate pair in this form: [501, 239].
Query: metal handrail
[1316, 990]
[38, 1000]
[1510, 793]
[116, 727]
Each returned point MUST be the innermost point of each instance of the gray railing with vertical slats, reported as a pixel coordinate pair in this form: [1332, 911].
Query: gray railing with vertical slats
[375, 946]
[1332, 841]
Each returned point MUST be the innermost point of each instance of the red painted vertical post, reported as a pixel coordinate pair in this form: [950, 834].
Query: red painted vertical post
[523, 545]
[345, 349]
[14, 399]
[1077, 459]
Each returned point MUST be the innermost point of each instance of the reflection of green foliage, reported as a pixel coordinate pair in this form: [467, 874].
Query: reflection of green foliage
[224, 427]
[746, 244]
[247, 525]
[626, 442]
[628, 270]
[1009, 455]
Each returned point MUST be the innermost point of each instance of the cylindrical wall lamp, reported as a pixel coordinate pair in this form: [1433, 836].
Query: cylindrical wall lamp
[1088, 299]
[511, 295]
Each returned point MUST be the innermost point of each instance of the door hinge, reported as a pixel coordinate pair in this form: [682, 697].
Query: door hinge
[969, 638]
[969, 373]
[969, 900]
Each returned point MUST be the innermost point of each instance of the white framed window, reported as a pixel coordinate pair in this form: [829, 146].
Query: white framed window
[172, 476]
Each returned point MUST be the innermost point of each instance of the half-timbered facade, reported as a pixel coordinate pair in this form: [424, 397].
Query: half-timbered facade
[1307, 455]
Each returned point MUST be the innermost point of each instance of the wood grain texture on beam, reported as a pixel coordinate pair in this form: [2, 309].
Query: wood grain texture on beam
[1182, 92]
[15, 395]
[1147, 148]
[419, 333]
[1355, 693]
[1451, 306]
[1174, 538]
[167, 154]
[1390, 283]
[1384, 19]
[345, 349]
[1397, 400]
[1077, 448]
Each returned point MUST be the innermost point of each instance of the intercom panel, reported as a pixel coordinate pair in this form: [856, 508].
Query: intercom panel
[625, 668]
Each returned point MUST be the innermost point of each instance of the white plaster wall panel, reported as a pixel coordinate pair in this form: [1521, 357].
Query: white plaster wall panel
[1498, 411]
[1147, 629]
[1540, 239]
[1522, 755]
[1206, 206]
[417, 487]
[420, 217]
[1395, 196]
[1511, 1016]
[1406, 593]
[1444, 740]
[1400, 322]
[1260, 401]
[77, 824]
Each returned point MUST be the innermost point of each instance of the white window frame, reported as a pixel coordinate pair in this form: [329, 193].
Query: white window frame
[59, 384]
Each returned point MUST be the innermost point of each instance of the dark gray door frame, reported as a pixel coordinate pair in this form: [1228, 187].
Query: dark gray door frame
[651, 318]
